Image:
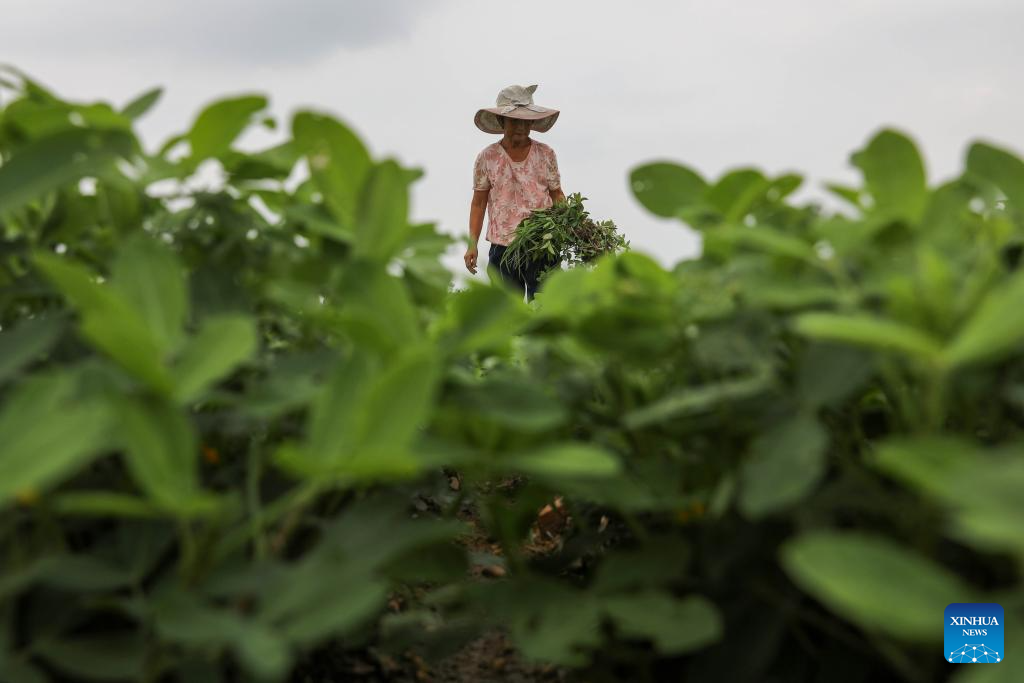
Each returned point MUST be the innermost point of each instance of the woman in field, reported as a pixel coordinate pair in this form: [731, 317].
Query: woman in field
[511, 178]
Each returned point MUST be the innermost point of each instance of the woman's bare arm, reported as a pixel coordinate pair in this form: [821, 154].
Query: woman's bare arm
[557, 195]
[476, 225]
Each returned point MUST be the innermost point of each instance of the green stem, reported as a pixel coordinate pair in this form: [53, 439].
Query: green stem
[187, 541]
[254, 473]
[906, 406]
[935, 406]
[297, 498]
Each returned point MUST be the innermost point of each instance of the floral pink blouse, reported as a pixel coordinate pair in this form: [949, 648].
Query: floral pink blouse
[517, 187]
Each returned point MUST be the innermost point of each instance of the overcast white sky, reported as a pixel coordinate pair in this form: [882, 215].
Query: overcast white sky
[782, 85]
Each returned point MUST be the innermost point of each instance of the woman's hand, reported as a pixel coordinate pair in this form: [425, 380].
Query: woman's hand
[476, 224]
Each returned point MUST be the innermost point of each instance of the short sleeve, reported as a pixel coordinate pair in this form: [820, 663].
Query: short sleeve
[481, 181]
[554, 180]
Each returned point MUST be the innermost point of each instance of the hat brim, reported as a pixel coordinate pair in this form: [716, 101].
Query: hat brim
[541, 121]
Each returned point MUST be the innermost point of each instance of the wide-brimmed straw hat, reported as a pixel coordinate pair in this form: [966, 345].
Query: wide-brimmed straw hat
[516, 101]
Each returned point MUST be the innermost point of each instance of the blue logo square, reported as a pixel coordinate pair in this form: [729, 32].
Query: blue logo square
[974, 633]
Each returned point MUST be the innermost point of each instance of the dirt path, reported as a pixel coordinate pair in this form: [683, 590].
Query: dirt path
[492, 656]
[489, 658]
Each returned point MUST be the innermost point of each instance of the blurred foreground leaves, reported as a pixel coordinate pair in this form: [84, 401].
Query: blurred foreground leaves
[225, 413]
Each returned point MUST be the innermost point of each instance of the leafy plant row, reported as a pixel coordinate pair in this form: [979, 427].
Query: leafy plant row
[219, 406]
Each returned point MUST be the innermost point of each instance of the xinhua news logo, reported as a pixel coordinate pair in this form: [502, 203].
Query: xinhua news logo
[974, 633]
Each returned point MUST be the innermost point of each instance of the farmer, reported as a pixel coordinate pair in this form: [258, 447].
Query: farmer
[511, 178]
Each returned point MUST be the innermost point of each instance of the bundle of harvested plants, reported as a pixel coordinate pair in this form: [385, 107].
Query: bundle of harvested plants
[563, 233]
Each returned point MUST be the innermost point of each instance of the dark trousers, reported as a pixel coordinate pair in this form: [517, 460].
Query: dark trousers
[528, 278]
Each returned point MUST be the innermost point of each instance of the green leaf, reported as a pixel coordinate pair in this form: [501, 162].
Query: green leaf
[217, 126]
[48, 432]
[872, 332]
[37, 120]
[353, 550]
[788, 296]
[290, 385]
[123, 199]
[334, 415]
[376, 311]
[222, 343]
[994, 330]
[574, 294]
[29, 340]
[938, 288]
[66, 572]
[783, 466]
[183, 619]
[665, 189]
[674, 626]
[829, 373]
[479, 318]
[932, 464]
[563, 461]
[895, 176]
[17, 671]
[697, 400]
[142, 104]
[979, 489]
[557, 634]
[318, 220]
[83, 573]
[338, 162]
[398, 404]
[659, 561]
[873, 582]
[383, 215]
[148, 275]
[108, 320]
[336, 612]
[550, 622]
[367, 417]
[27, 85]
[103, 504]
[162, 452]
[96, 657]
[736, 191]
[784, 185]
[850, 194]
[768, 240]
[102, 116]
[275, 162]
[1001, 168]
[514, 402]
[58, 160]
[948, 206]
